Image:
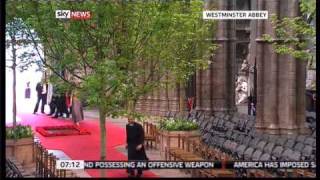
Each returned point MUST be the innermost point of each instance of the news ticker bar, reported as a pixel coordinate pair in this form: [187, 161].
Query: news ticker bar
[81, 164]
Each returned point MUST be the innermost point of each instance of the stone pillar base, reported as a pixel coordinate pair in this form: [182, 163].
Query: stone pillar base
[295, 131]
[214, 110]
[268, 131]
[283, 131]
[306, 131]
[225, 110]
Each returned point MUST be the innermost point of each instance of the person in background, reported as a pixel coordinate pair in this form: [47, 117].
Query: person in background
[44, 95]
[53, 102]
[27, 92]
[49, 96]
[59, 105]
[68, 103]
[41, 89]
[251, 106]
[64, 108]
[135, 145]
[76, 108]
[58, 101]
[190, 103]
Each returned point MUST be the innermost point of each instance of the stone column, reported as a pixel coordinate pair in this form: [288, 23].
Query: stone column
[267, 71]
[252, 54]
[294, 112]
[281, 78]
[215, 85]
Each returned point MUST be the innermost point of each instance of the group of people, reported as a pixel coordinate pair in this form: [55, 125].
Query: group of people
[67, 103]
[60, 103]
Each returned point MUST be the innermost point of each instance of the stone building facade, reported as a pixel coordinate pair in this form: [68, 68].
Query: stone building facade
[279, 85]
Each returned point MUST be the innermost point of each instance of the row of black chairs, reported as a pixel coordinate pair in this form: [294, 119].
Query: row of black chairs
[218, 121]
[255, 146]
[235, 135]
[224, 121]
[242, 146]
[234, 141]
[311, 122]
[238, 138]
[224, 131]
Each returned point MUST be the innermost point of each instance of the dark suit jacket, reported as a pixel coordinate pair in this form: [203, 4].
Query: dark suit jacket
[135, 136]
[39, 89]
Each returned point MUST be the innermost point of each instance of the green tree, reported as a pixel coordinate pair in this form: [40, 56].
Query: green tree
[18, 42]
[124, 51]
[296, 35]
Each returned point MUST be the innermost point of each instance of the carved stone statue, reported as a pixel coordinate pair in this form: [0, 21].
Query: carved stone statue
[244, 66]
[242, 83]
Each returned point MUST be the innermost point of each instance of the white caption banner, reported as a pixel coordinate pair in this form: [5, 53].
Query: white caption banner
[235, 14]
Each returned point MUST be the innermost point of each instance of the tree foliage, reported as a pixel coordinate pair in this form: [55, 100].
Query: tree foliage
[126, 50]
[296, 35]
[18, 43]
[18, 38]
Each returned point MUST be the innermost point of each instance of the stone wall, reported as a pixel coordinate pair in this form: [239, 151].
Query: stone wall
[278, 85]
[281, 78]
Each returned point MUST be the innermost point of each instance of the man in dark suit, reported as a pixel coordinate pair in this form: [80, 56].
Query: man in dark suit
[42, 96]
[135, 141]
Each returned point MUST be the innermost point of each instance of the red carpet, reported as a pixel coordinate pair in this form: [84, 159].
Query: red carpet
[84, 147]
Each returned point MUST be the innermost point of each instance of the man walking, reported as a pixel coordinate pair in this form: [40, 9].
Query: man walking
[135, 141]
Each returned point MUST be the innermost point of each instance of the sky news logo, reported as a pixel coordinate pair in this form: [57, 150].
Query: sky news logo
[77, 15]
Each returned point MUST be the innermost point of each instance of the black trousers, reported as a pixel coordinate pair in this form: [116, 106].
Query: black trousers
[131, 171]
[61, 107]
[43, 99]
[53, 106]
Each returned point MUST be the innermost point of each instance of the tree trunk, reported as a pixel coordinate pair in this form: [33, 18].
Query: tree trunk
[14, 64]
[167, 94]
[182, 97]
[14, 103]
[102, 118]
[131, 108]
[14, 108]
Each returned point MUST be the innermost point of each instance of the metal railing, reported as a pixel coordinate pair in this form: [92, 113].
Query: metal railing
[46, 163]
